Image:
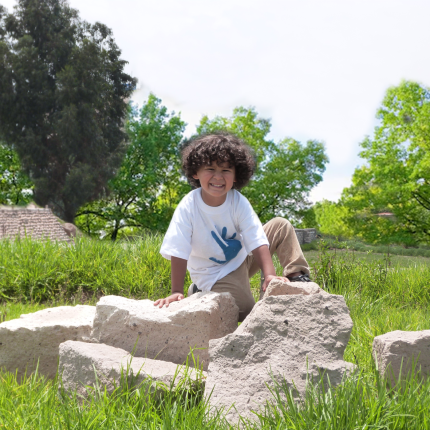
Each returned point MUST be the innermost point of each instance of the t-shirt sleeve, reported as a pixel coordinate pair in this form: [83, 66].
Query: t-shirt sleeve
[177, 240]
[250, 225]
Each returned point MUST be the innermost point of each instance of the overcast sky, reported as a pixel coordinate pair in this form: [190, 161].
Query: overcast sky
[318, 69]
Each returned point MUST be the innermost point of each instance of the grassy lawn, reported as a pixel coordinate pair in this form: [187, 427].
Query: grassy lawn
[382, 295]
[394, 260]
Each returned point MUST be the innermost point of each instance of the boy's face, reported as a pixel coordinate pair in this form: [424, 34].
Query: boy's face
[216, 181]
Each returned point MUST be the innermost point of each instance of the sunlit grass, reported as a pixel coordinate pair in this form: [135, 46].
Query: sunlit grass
[36, 270]
[383, 294]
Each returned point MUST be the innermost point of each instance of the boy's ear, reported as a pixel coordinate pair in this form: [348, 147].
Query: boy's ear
[195, 177]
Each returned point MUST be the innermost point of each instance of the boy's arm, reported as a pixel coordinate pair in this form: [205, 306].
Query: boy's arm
[264, 260]
[178, 272]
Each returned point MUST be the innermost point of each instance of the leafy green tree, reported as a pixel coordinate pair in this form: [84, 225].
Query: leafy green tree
[287, 170]
[63, 101]
[331, 218]
[148, 186]
[15, 187]
[307, 219]
[396, 176]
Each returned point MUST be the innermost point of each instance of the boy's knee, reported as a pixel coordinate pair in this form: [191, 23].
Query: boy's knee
[282, 222]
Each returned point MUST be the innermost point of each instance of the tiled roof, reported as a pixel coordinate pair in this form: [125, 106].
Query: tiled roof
[37, 223]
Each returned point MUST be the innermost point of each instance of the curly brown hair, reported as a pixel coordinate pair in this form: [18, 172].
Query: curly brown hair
[219, 147]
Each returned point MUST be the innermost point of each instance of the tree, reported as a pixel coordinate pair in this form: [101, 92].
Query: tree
[396, 176]
[15, 186]
[63, 101]
[331, 218]
[286, 172]
[148, 186]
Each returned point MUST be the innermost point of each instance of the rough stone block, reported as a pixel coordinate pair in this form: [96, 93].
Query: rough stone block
[400, 349]
[300, 235]
[37, 336]
[80, 363]
[277, 287]
[309, 235]
[168, 333]
[293, 337]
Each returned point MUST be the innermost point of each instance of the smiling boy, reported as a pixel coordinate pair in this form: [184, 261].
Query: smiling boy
[215, 233]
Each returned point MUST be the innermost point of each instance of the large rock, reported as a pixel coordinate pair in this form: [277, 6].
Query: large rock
[37, 336]
[168, 333]
[279, 287]
[292, 337]
[80, 363]
[400, 349]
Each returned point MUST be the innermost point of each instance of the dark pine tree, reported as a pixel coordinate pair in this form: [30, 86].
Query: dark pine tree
[63, 101]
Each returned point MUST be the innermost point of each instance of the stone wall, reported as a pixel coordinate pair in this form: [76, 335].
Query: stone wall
[306, 235]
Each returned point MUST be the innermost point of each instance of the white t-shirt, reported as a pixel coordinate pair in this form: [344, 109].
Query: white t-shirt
[214, 240]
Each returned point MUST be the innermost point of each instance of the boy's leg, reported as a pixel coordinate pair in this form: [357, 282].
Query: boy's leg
[282, 241]
[237, 284]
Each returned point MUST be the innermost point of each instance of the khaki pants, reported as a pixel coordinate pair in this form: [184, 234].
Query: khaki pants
[282, 241]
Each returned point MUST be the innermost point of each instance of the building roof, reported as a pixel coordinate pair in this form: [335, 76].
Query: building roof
[30, 221]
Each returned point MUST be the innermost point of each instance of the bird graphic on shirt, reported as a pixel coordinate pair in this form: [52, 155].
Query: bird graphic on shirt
[230, 248]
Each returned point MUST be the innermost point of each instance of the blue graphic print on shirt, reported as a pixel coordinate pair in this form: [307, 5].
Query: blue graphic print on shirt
[230, 249]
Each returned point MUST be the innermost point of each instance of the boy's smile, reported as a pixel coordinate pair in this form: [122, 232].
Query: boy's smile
[216, 181]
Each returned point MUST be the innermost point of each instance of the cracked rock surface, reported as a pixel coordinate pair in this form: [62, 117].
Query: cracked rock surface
[399, 350]
[37, 336]
[168, 333]
[80, 363]
[286, 336]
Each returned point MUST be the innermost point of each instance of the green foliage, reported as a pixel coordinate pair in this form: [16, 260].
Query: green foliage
[15, 187]
[63, 101]
[331, 218]
[287, 170]
[148, 185]
[307, 219]
[346, 273]
[36, 270]
[396, 177]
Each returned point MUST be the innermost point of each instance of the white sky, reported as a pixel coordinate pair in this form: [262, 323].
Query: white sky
[318, 69]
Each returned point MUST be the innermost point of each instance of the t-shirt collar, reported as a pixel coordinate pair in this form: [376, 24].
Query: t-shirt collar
[213, 209]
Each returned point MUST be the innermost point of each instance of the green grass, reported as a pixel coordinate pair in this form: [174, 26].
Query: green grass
[37, 403]
[383, 294]
[363, 401]
[395, 260]
[40, 271]
[360, 246]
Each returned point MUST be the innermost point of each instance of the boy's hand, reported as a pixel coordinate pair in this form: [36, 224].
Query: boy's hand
[268, 278]
[175, 297]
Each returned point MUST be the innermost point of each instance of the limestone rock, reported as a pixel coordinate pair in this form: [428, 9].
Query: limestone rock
[80, 362]
[37, 336]
[277, 287]
[291, 336]
[168, 333]
[391, 348]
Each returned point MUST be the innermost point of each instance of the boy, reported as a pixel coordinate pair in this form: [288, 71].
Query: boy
[214, 229]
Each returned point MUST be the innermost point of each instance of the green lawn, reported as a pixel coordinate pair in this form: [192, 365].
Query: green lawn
[382, 295]
[394, 260]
